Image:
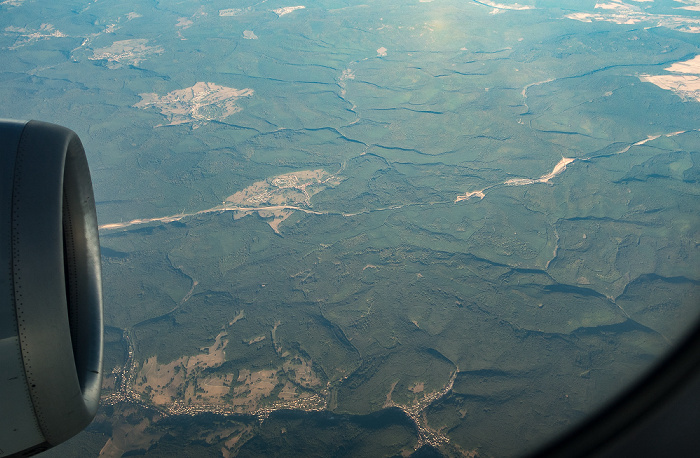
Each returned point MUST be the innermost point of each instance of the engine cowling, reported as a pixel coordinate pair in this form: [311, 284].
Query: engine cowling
[50, 288]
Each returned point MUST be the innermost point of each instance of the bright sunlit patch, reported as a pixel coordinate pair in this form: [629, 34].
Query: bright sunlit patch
[691, 5]
[623, 13]
[504, 6]
[436, 25]
[684, 80]
[287, 9]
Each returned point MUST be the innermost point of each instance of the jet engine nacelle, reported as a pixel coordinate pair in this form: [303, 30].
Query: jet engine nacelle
[50, 288]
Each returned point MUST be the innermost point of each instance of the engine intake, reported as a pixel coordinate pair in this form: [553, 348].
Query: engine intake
[50, 288]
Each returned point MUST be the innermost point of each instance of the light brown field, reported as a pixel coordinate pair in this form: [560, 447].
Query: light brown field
[182, 382]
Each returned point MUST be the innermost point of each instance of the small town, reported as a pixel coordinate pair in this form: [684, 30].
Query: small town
[124, 393]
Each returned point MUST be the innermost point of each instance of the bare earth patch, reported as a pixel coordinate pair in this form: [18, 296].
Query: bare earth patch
[196, 105]
[279, 193]
[684, 80]
[181, 386]
[417, 388]
[126, 52]
[556, 171]
[287, 9]
[126, 436]
[275, 199]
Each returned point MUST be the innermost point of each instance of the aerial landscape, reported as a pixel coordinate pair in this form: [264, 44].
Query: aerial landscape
[384, 228]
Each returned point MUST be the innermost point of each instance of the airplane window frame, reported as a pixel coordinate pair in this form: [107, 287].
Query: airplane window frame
[657, 415]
